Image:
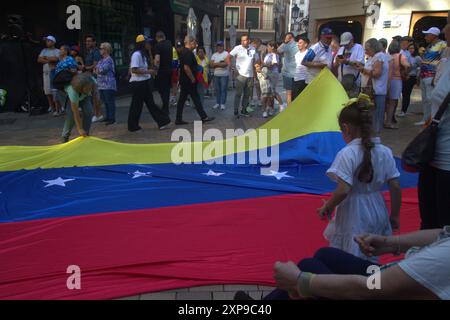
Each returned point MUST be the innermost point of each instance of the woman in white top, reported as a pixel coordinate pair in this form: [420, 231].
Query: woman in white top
[361, 170]
[375, 79]
[272, 62]
[142, 88]
[220, 63]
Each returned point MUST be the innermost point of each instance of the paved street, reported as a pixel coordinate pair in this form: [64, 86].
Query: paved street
[20, 129]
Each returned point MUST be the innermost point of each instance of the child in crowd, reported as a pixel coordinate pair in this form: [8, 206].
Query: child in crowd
[361, 170]
[267, 92]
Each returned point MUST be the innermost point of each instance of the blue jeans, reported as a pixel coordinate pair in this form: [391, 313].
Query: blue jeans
[221, 87]
[108, 97]
[86, 117]
[328, 261]
[378, 117]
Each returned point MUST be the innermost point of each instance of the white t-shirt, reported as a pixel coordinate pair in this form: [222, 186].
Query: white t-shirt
[139, 62]
[50, 53]
[355, 54]
[301, 73]
[380, 84]
[431, 268]
[218, 58]
[245, 60]
[318, 53]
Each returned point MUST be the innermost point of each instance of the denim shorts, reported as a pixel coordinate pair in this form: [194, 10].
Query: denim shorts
[288, 83]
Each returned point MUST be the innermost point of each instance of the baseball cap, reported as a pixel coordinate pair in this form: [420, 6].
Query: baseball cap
[327, 32]
[433, 30]
[50, 38]
[346, 38]
[75, 48]
[220, 43]
[142, 38]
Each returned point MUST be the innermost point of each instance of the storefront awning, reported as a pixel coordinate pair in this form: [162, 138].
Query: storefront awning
[180, 6]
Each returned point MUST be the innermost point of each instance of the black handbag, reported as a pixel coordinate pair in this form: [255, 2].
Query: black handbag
[421, 151]
[63, 79]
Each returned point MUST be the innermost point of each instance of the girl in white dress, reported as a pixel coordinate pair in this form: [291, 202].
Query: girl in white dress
[361, 170]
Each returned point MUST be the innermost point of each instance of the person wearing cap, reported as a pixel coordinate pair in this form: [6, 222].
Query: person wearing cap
[163, 62]
[430, 61]
[319, 56]
[348, 57]
[142, 88]
[75, 53]
[288, 50]
[49, 58]
[220, 63]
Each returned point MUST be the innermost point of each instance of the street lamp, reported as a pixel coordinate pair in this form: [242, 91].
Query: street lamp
[367, 4]
[295, 12]
[249, 27]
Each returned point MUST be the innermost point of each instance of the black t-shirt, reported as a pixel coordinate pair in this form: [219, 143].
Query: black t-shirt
[165, 50]
[187, 58]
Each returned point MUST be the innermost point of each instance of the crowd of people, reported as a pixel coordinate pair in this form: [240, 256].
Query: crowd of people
[376, 76]
[361, 227]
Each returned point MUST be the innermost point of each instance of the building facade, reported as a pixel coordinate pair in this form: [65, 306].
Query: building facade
[299, 17]
[377, 18]
[266, 20]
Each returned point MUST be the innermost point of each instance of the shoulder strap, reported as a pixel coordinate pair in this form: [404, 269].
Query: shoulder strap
[442, 109]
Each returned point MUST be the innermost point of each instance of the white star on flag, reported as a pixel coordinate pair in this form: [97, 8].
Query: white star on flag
[139, 174]
[60, 182]
[213, 174]
[278, 175]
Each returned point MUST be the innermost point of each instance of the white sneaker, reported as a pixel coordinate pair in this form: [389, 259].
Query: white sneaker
[271, 113]
[421, 123]
[96, 119]
[401, 115]
[265, 115]
[223, 107]
[217, 106]
[283, 107]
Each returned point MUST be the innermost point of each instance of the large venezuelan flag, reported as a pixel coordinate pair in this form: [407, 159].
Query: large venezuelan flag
[135, 223]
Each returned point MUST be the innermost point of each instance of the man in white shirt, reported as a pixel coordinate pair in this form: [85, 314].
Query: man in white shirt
[288, 49]
[301, 72]
[348, 57]
[319, 56]
[245, 59]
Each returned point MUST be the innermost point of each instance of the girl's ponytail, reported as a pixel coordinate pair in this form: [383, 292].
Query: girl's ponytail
[357, 113]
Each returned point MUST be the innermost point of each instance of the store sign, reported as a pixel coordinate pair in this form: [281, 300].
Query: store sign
[74, 17]
[180, 6]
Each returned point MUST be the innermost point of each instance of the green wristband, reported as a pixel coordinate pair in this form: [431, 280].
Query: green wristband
[304, 285]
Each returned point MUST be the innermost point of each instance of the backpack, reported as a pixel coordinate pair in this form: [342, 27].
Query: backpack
[63, 79]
